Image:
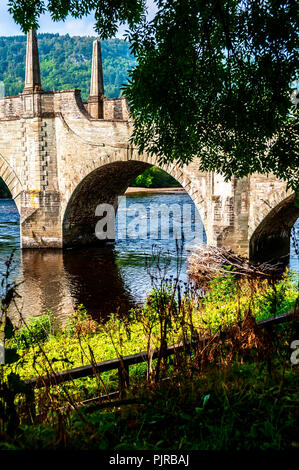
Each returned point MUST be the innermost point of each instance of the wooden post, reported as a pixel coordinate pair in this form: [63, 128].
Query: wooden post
[123, 378]
[30, 403]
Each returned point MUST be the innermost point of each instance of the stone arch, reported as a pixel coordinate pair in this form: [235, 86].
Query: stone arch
[271, 238]
[104, 184]
[11, 180]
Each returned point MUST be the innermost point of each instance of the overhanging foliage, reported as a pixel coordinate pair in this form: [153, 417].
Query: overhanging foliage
[214, 79]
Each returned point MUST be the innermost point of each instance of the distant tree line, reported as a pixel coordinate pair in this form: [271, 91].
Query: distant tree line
[65, 63]
[154, 177]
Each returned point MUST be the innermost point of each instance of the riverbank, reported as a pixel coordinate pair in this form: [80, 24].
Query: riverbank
[137, 190]
[227, 301]
[212, 397]
[101, 278]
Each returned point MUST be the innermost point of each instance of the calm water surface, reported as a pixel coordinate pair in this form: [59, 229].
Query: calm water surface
[103, 279]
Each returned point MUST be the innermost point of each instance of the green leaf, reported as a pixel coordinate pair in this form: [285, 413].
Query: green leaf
[205, 400]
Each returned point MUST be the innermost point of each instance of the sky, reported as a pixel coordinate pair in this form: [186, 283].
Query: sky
[73, 27]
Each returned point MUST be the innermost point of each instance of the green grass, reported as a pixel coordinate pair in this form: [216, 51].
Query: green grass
[239, 394]
[239, 407]
[226, 303]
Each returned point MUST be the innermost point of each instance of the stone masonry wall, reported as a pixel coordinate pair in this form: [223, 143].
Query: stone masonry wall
[50, 146]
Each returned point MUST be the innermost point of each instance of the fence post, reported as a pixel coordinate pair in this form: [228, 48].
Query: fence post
[123, 378]
[30, 402]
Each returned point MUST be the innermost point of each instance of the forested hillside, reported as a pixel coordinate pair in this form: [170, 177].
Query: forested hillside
[65, 63]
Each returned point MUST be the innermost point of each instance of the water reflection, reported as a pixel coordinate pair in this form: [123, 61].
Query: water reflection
[94, 279]
[43, 285]
[103, 279]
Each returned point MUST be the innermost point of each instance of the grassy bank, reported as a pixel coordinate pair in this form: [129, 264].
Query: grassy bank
[227, 302]
[239, 391]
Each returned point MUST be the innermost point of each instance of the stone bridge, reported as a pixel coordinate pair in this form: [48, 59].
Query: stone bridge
[61, 157]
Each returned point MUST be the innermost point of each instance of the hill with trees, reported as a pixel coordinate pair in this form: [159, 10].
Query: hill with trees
[65, 63]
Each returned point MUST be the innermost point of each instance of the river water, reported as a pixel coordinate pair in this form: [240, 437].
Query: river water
[108, 278]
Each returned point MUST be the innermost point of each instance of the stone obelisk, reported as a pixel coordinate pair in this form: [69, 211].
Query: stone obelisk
[96, 98]
[32, 74]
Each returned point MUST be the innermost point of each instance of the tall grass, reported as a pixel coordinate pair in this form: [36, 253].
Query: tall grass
[227, 361]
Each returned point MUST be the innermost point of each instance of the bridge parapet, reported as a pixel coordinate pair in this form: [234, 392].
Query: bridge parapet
[67, 102]
[11, 107]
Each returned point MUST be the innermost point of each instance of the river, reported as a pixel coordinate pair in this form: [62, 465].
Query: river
[103, 279]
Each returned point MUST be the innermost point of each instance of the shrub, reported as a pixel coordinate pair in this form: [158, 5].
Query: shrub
[37, 329]
[81, 322]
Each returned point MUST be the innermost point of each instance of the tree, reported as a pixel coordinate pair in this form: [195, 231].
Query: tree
[214, 79]
[108, 13]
